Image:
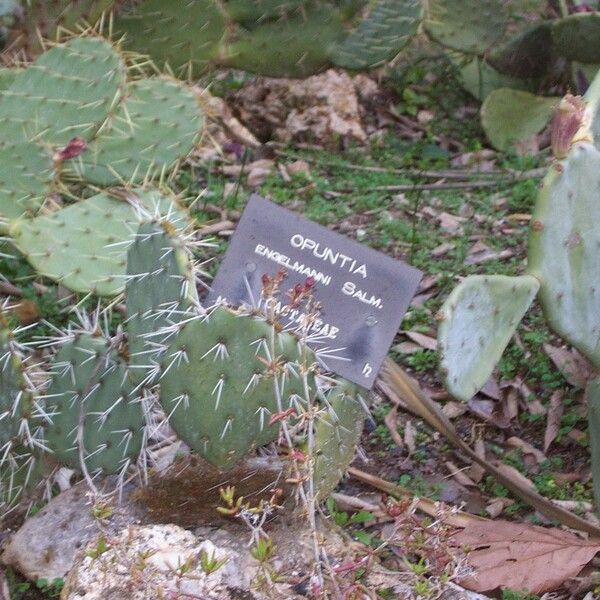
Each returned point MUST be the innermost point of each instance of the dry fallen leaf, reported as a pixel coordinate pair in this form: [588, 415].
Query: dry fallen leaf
[481, 253]
[527, 449]
[410, 437]
[555, 413]
[489, 411]
[425, 341]
[521, 556]
[574, 367]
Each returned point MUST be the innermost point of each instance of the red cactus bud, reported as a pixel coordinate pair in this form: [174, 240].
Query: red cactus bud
[74, 148]
[566, 122]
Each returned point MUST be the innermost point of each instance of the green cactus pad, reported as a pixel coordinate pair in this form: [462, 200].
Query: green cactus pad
[16, 401]
[576, 37]
[470, 26]
[480, 79]
[477, 321]
[7, 77]
[592, 394]
[25, 171]
[295, 46]
[20, 476]
[563, 248]
[84, 246]
[252, 12]
[217, 392]
[183, 35]
[44, 17]
[337, 435]
[526, 54]
[90, 386]
[158, 124]
[512, 116]
[159, 288]
[381, 35]
[67, 92]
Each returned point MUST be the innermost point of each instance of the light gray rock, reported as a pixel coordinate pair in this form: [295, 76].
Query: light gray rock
[46, 545]
[163, 561]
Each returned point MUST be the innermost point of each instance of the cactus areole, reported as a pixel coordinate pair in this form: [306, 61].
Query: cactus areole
[363, 294]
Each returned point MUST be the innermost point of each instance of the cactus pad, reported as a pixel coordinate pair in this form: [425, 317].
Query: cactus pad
[470, 26]
[158, 124]
[477, 321]
[90, 389]
[67, 92]
[217, 388]
[563, 248]
[381, 35]
[159, 288]
[337, 435]
[512, 116]
[480, 79]
[592, 395]
[576, 37]
[184, 35]
[16, 401]
[84, 246]
[295, 46]
[25, 170]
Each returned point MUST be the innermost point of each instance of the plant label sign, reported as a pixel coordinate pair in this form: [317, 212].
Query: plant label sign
[363, 294]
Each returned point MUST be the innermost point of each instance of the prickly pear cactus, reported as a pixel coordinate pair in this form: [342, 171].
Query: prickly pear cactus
[41, 19]
[20, 426]
[94, 419]
[295, 46]
[576, 37]
[84, 246]
[512, 116]
[185, 37]
[16, 400]
[477, 321]
[224, 376]
[381, 35]
[67, 92]
[469, 26]
[158, 123]
[563, 248]
[159, 290]
[337, 435]
[592, 395]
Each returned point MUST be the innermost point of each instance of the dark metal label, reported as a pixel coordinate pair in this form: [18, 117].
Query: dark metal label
[363, 294]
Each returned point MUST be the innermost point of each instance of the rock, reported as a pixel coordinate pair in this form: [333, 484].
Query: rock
[162, 561]
[322, 108]
[45, 546]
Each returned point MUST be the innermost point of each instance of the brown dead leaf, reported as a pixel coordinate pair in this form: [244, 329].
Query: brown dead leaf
[510, 404]
[410, 437]
[521, 556]
[555, 413]
[488, 410]
[460, 475]
[481, 253]
[450, 223]
[515, 475]
[441, 250]
[454, 409]
[526, 448]
[298, 166]
[476, 472]
[407, 348]
[497, 505]
[491, 389]
[258, 171]
[423, 340]
[574, 367]
[27, 311]
[391, 422]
